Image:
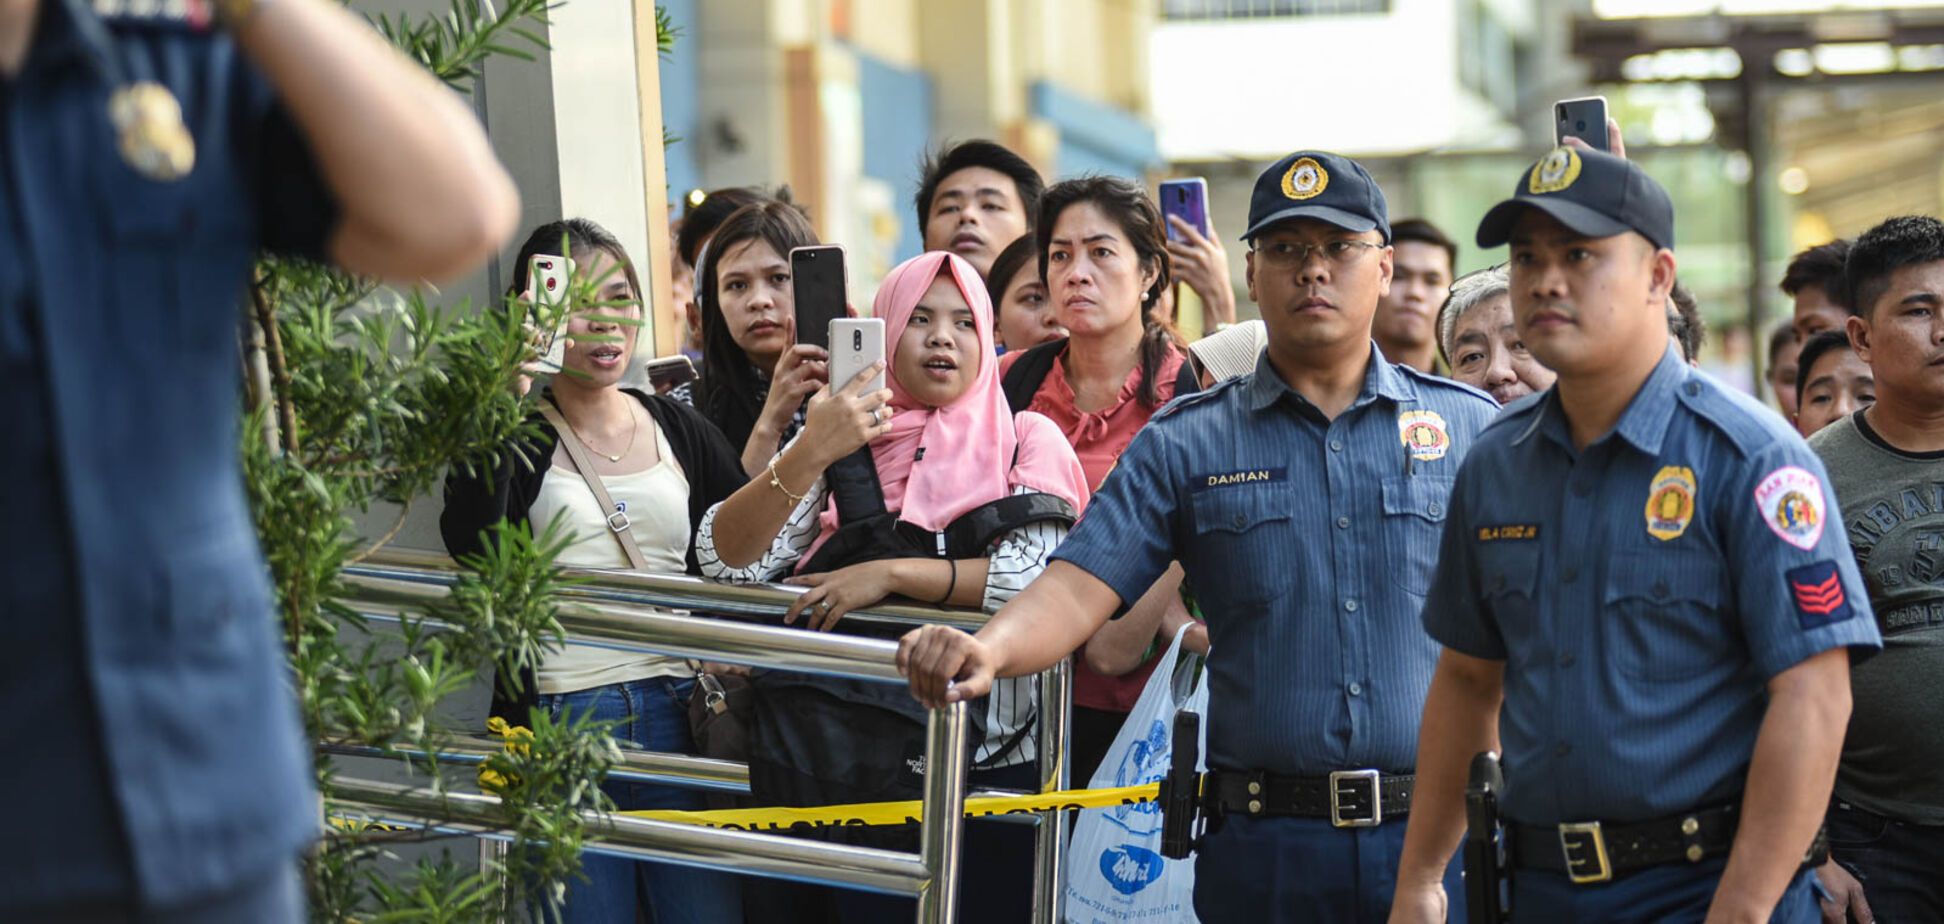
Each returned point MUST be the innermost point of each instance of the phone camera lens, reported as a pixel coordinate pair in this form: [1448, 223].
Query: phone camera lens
[1581, 124]
[857, 340]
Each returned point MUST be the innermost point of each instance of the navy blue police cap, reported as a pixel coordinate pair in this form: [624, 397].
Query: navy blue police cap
[1320, 185]
[1592, 192]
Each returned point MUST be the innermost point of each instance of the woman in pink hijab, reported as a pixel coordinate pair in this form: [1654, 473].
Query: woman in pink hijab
[943, 443]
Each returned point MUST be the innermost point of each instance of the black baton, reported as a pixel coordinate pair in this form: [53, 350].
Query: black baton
[1485, 878]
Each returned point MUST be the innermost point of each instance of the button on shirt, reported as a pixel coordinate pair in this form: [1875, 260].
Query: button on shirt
[1641, 593]
[1318, 660]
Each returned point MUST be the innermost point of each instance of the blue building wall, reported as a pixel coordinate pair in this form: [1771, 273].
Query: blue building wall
[898, 115]
[681, 94]
[1095, 138]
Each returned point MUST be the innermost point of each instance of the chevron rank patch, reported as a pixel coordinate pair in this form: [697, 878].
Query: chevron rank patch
[1817, 591]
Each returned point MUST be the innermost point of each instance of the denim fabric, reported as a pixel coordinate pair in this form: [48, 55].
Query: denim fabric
[653, 715]
[1671, 894]
[1900, 865]
[1299, 870]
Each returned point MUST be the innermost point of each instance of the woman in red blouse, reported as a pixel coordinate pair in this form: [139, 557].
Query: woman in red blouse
[1103, 255]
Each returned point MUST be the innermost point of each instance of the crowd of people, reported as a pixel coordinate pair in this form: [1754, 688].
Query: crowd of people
[1401, 513]
[1408, 518]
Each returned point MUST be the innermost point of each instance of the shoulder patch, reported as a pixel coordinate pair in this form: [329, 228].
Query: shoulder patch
[1790, 500]
[1817, 591]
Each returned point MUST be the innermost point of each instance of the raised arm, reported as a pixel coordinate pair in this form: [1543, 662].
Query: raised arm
[423, 197]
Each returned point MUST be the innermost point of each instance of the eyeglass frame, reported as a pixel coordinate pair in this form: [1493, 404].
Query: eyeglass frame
[1303, 251]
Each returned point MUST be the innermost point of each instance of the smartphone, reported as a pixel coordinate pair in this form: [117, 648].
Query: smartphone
[669, 371]
[855, 343]
[1187, 200]
[820, 286]
[548, 277]
[1584, 118]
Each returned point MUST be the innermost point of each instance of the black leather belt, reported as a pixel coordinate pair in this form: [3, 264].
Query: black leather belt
[1348, 798]
[1594, 852]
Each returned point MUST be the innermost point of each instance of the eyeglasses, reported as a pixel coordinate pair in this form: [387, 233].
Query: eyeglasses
[1292, 253]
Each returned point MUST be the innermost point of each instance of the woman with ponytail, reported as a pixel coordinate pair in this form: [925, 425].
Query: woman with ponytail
[1104, 258]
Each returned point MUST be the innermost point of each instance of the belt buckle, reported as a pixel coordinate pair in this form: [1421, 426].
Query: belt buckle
[1584, 848]
[1338, 791]
[619, 522]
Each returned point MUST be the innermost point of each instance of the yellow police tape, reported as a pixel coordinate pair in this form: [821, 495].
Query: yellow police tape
[862, 813]
[900, 813]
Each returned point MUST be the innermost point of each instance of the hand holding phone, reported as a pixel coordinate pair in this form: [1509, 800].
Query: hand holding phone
[1186, 199]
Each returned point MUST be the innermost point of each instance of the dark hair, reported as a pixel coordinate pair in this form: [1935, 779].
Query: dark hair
[730, 392]
[1896, 243]
[1004, 267]
[1820, 344]
[1684, 321]
[1782, 337]
[1129, 207]
[1820, 266]
[582, 236]
[703, 218]
[978, 152]
[1424, 232]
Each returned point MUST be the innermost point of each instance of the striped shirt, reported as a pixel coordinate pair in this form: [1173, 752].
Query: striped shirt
[1641, 593]
[1308, 543]
[1013, 706]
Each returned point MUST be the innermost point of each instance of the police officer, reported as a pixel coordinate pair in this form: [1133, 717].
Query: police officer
[1303, 501]
[155, 770]
[1637, 596]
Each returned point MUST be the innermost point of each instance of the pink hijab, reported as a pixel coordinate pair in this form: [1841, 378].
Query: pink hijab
[968, 444]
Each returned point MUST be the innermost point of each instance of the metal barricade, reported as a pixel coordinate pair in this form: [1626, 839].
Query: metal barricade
[619, 609]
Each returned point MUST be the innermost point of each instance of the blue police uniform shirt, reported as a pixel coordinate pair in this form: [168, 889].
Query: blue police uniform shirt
[1641, 593]
[1308, 542]
[157, 755]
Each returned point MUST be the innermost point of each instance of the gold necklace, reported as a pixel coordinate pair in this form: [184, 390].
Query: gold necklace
[632, 433]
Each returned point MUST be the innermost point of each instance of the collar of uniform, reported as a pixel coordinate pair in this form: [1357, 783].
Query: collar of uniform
[1381, 379]
[1643, 423]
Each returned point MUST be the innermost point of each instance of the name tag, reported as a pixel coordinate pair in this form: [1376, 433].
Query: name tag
[1246, 476]
[1510, 532]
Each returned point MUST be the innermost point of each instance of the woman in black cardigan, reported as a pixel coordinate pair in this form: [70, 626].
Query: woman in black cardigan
[661, 466]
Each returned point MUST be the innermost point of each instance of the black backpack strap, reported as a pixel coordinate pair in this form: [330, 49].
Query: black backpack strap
[1024, 378]
[974, 532]
[853, 483]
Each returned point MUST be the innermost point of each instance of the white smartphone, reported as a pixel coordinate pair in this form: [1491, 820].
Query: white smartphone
[548, 277]
[855, 343]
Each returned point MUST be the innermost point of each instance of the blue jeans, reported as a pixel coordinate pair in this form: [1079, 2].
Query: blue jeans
[1304, 869]
[1899, 865]
[653, 715]
[1675, 893]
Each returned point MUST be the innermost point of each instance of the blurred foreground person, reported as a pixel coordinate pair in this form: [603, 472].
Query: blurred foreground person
[146, 161]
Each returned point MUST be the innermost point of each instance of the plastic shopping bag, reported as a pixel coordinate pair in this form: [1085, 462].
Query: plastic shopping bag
[1115, 870]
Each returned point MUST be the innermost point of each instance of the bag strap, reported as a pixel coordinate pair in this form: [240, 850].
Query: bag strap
[1023, 380]
[617, 519]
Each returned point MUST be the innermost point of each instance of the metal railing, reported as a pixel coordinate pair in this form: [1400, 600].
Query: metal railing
[620, 609]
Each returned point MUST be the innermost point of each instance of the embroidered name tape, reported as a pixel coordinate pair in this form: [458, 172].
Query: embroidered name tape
[1245, 476]
[1510, 532]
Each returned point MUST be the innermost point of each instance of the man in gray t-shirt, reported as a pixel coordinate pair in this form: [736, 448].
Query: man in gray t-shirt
[1886, 466]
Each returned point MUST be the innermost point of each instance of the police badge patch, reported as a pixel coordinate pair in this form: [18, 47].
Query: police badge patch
[1424, 434]
[1670, 502]
[1305, 179]
[1554, 172]
[1790, 500]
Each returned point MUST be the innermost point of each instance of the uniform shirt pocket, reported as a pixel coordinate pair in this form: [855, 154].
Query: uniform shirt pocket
[1241, 532]
[1508, 582]
[180, 252]
[1662, 615]
[1414, 514]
